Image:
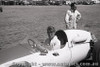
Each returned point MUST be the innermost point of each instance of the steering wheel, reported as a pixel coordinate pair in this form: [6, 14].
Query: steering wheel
[32, 43]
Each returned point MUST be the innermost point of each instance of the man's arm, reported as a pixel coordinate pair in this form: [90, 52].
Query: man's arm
[67, 19]
[78, 15]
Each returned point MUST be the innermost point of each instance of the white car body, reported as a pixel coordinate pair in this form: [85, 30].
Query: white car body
[67, 56]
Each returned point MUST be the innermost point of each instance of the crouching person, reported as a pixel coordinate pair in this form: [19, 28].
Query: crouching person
[50, 32]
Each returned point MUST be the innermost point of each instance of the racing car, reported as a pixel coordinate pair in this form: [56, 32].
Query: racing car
[77, 46]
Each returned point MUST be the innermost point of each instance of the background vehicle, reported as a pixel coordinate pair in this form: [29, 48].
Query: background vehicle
[1, 10]
[68, 2]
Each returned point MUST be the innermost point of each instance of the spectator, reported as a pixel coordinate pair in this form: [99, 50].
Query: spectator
[72, 17]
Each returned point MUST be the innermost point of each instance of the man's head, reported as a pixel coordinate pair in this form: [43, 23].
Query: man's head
[50, 32]
[73, 7]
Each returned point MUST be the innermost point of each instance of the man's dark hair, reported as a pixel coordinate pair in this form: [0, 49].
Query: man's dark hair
[50, 29]
[72, 5]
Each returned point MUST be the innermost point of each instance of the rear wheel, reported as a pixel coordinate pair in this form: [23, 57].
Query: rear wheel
[99, 58]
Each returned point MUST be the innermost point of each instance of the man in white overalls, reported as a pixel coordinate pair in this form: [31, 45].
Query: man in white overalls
[72, 17]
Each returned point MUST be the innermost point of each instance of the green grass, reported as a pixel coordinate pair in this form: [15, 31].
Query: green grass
[16, 22]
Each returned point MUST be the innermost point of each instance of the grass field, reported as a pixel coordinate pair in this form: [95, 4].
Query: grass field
[18, 22]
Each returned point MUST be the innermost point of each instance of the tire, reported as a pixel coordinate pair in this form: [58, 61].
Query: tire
[94, 55]
[99, 58]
